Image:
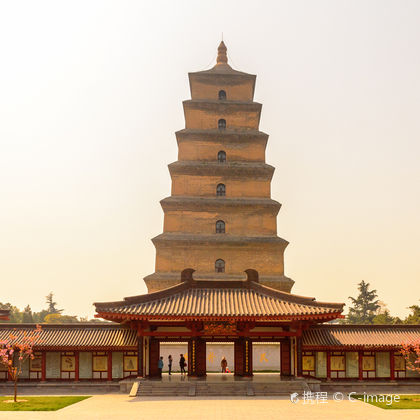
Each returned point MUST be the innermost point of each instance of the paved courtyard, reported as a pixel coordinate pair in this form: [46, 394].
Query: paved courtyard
[115, 407]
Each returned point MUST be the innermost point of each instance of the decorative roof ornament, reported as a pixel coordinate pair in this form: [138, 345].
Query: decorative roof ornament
[221, 54]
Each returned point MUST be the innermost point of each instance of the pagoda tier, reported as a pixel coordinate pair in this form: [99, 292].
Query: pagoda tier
[204, 115]
[220, 219]
[204, 145]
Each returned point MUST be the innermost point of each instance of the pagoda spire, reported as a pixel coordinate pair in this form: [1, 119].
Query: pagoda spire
[221, 53]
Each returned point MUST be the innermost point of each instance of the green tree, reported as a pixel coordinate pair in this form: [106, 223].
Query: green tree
[52, 309]
[385, 317]
[39, 317]
[27, 315]
[364, 306]
[414, 317]
[59, 319]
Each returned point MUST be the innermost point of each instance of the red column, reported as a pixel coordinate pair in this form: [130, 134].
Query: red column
[43, 366]
[392, 365]
[200, 357]
[110, 366]
[140, 343]
[248, 357]
[243, 357]
[285, 369]
[328, 365]
[299, 356]
[196, 357]
[154, 351]
[192, 360]
[360, 365]
[238, 351]
[76, 373]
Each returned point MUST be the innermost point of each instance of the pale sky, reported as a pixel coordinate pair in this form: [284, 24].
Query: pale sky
[91, 95]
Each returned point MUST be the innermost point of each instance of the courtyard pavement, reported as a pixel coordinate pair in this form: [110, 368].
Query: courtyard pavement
[115, 407]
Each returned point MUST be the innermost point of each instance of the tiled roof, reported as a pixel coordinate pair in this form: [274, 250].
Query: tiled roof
[219, 300]
[80, 336]
[358, 336]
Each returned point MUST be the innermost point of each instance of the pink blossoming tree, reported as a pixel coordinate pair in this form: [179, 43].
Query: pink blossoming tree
[411, 353]
[15, 351]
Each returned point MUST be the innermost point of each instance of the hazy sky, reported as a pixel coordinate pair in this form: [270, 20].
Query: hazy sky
[90, 98]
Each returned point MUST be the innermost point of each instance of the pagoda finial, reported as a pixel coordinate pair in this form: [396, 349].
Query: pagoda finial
[221, 54]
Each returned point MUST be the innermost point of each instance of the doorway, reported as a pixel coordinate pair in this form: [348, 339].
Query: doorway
[215, 352]
[175, 349]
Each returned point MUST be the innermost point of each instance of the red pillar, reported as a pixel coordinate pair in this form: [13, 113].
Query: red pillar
[285, 369]
[243, 357]
[154, 351]
[238, 357]
[200, 357]
[76, 374]
[248, 368]
[43, 366]
[328, 365]
[299, 356]
[192, 360]
[392, 365]
[109, 366]
[140, 372]
[360, 365]
[197, 357]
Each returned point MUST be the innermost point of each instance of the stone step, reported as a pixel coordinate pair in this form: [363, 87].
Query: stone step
[150, 388]
[216, 389]
[245, 388]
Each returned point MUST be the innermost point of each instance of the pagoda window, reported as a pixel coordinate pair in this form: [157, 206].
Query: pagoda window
[221, 124]
[222, 95]
[219, 266]
[221, 156]
[221, 190]
[220, 226]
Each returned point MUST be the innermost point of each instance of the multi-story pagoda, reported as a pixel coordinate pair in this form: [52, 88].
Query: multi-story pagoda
[219, 262]
[219, 272]
[220, 219]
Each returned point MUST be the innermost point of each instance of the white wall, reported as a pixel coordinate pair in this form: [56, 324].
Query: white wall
[266, 356]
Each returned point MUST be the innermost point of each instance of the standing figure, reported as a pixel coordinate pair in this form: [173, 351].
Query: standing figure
[223, 363]
[182, 363]
[170, 364]
[160, 365]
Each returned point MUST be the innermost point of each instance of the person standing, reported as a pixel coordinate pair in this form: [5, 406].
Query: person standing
[160, 366]
[170, 364]
[182, 363]
[223, 363]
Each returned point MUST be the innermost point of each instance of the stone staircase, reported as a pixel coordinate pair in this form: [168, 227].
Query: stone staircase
[147, 388]
[231, 389]
[158, 389]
